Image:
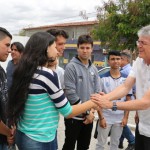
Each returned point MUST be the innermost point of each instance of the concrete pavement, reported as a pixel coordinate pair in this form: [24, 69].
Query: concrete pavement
[61, 134]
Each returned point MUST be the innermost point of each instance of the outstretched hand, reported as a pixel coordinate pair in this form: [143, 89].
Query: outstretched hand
[101, 101]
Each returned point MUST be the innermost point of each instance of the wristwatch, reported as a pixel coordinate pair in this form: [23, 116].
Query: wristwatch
[114, 108]
[87, 112]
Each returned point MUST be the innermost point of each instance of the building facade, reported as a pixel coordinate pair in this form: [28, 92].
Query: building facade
[74, 29]
[98, 57]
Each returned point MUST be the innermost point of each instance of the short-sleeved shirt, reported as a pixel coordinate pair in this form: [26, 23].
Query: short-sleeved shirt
[108, 84]
[60, 72]
[45, 100]
[141, 72]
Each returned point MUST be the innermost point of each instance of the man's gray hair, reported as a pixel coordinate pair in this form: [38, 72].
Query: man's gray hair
[127, 55]
[145, 31]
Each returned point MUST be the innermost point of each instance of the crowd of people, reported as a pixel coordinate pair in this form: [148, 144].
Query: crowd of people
[35, 90]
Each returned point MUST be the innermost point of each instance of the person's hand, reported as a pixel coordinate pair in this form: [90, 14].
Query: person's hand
[102, 93]
[89, 118]
[136, 118]
[124, 121]
[95, 106]
[86, 121]
[102, 123]
[10, 139]
[101, 101]
[13, 130]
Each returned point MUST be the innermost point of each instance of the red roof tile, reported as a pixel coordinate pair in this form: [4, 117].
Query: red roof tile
[64, 25]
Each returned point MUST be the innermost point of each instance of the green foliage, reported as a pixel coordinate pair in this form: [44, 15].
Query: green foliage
[119, 22]
[22, 32]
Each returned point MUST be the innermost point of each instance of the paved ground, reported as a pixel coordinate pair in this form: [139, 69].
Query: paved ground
[61, 134]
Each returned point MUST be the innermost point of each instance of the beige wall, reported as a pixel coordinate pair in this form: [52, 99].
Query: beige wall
[73, 31]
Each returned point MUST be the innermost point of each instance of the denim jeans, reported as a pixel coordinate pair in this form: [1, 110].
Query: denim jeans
[25, 143]
[55, 141]
[3, 147]
[128, 135]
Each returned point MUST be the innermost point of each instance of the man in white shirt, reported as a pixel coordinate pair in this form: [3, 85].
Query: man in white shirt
[140, 74]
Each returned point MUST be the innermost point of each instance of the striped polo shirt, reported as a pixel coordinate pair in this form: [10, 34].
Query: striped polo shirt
[45, 101]
[108, 84]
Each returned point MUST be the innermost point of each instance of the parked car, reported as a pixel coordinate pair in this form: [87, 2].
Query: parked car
[103, 70]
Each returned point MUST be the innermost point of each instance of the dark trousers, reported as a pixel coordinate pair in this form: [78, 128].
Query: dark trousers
[141, 142]
[76, 130]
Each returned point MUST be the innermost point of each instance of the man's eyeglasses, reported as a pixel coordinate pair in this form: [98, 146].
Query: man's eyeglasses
[142, 43]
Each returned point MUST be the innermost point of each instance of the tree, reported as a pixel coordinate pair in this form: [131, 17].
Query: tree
[22, 32]
[119, 22]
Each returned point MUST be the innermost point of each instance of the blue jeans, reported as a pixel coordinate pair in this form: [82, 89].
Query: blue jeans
[3, 147]
[126, 133]
[25, 143]
[55, 141]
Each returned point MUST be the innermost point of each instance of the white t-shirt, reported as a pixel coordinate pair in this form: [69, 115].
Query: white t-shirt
[141, 72]
[60, 72]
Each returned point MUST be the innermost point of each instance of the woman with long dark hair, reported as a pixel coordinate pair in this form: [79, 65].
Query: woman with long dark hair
[36, 96]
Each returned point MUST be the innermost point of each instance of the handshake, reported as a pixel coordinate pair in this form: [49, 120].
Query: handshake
[102, 100]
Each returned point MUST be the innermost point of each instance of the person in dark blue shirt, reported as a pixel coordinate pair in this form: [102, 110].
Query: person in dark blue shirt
[16, 51]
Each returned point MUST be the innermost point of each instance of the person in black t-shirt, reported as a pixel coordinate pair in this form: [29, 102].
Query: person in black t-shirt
[6, 134]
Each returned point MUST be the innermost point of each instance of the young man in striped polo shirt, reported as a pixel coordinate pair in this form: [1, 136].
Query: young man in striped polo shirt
[111, 120]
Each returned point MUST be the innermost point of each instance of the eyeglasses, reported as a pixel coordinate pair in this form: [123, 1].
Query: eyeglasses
[141, 43]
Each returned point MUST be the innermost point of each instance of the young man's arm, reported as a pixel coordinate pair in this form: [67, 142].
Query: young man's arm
[126, 113]
[102, 121]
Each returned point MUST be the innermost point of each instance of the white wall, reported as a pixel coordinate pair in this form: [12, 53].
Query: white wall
[21, 39]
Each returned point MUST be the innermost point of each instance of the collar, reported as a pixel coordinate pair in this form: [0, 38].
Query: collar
[90, 63]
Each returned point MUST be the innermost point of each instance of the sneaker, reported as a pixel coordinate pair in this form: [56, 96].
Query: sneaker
[130, 147]
[120, 145]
